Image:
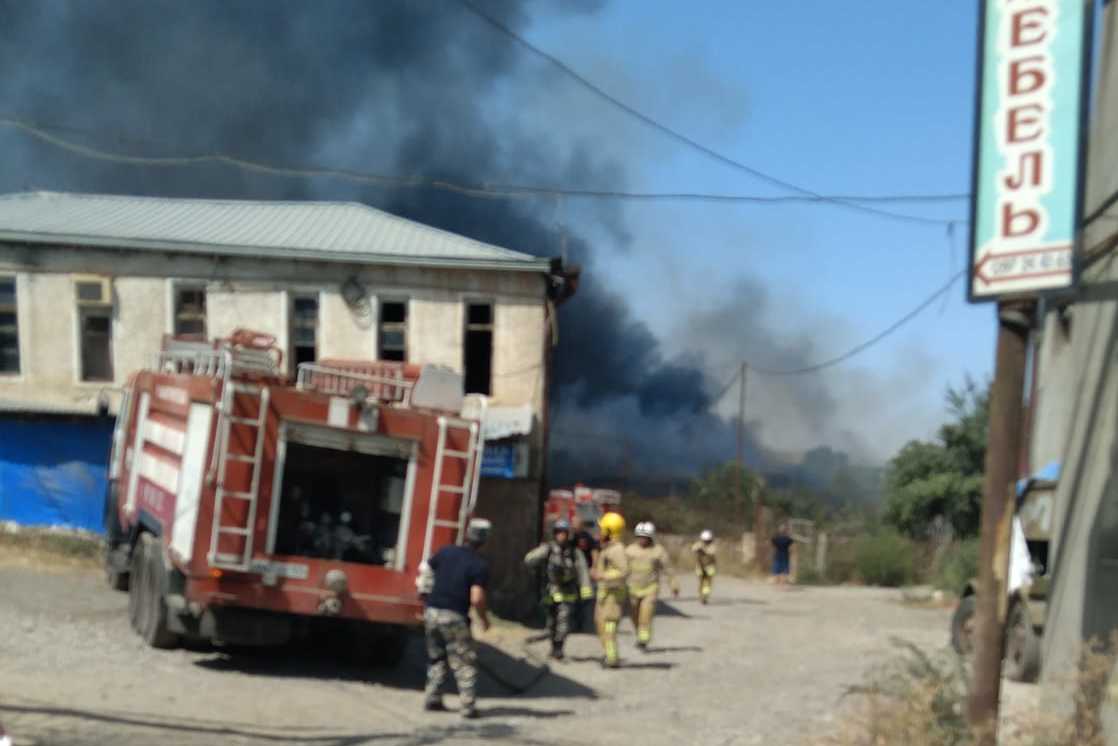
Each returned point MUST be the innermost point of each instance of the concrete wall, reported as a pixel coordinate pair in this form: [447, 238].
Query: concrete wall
[242, 293]
[1078, 419]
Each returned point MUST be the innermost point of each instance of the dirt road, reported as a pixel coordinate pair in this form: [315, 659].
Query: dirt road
[757, 663]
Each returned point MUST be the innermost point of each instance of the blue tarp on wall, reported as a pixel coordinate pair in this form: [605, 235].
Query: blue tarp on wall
[53, 471]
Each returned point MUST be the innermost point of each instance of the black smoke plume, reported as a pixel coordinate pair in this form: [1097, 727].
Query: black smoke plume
[394, 86]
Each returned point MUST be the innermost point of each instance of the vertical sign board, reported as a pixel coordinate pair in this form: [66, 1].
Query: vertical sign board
[1027, 190]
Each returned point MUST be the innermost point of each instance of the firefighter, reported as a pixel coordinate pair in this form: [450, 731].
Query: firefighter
[568, 580]
[611, 568]
[588, 546]
[705, 563]
[648, 564]
[451, 582]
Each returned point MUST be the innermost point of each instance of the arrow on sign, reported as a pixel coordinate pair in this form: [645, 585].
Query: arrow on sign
[1013, 263]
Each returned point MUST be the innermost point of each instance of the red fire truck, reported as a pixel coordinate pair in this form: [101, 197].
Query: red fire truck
[580, 506]
[245, 507]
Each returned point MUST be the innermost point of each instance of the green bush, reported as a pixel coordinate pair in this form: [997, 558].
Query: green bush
[957, 564]
[886, 559]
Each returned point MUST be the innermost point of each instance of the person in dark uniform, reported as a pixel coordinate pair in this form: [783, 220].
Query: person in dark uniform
[588, 545]
[782, 555]
[451, 582]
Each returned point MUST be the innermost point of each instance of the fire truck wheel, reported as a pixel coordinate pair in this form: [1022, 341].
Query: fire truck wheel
[146, 608]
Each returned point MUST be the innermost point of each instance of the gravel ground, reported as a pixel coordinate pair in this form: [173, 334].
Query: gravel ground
[758, 664]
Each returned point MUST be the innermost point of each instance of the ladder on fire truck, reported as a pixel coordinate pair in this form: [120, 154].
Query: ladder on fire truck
[239, 364]
[471, 472]
[257, 425]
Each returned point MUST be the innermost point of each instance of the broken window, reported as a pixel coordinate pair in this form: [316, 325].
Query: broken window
[190, 313]
[478, 358]
[340, 504]
[9, 326]
[96, 324]
[392, 339]
[304, 329]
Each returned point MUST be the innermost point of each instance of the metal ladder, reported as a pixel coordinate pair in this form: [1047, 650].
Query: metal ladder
[467, 489]
[227, 560]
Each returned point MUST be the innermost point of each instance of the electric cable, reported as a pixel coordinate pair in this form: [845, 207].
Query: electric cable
[680, 137]
[863, 346]
[495, 190]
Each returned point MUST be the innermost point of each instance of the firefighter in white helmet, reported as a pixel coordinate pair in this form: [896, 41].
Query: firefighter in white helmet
[611, 568]
[648, 564]
[705, 563]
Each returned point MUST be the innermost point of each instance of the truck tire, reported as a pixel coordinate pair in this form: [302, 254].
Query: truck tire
[1022, 646]
[115, 540]
[962, 624]
[147, 610]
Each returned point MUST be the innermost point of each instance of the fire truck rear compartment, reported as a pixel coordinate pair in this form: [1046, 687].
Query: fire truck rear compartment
[340, 505]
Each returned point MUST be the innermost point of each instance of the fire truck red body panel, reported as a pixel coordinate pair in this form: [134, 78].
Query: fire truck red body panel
[201, 453]
[580, 505]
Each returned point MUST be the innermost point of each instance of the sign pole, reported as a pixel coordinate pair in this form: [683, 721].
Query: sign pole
[998, 495]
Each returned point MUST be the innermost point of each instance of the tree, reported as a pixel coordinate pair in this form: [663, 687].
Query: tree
[728, 488]
[926, 480]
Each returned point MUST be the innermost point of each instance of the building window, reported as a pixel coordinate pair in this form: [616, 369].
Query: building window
[304, 329]
[392, 339]
[96, 343]
[9, 327]
[478, 358]
[190, 312]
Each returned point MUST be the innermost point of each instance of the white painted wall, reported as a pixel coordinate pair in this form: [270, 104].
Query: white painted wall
[256, 295]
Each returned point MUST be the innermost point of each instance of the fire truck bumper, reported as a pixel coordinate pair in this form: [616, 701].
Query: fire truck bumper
[232, 625]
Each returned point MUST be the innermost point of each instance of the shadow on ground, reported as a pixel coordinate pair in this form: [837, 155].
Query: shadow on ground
[74, 726]
[501, 674]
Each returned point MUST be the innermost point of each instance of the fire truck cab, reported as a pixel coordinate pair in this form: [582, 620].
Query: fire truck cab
[248, 508]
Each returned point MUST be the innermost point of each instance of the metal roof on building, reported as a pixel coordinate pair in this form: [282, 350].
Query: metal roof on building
[323, 231]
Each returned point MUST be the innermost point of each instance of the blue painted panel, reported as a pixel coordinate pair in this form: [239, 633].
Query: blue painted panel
[53, 472]
[499, 460]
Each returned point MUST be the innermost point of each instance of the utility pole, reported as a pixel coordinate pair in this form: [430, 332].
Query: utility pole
[998, 503]
[758, 504]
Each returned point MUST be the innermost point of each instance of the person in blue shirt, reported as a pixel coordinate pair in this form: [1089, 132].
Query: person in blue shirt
[452, 581]
[782, 554]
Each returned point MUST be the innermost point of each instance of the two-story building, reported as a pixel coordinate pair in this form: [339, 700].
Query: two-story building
[90, 284]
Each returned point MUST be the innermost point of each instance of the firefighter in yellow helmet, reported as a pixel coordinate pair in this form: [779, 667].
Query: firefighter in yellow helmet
[705, 563]
[648, 564]
[611, 568]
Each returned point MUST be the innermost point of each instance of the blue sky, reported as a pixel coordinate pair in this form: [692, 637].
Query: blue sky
[867, 97]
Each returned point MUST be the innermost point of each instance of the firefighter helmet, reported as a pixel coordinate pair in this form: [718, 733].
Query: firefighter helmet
[611, 525]
[645, 529]
[560, 525]
[706, 535]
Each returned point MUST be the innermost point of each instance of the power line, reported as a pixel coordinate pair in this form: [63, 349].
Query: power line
[678, 136]
[43, 132]
[869, 342]
[726, 388]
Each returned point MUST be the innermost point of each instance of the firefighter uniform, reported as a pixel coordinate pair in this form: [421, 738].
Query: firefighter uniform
[568, 581]
[611, 570]
[705, 567]
[647, 567]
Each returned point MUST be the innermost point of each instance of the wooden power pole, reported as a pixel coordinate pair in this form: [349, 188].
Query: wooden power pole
[998, 503]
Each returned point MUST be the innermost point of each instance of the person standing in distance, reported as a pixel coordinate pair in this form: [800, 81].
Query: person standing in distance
[451, 582]
[611, 568]
[782, 555]
[705, 563]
